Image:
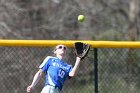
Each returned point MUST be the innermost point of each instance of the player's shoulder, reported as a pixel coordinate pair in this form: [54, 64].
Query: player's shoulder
[46, 61]
[50, 57]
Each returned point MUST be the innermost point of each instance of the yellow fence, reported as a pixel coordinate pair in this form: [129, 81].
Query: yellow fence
[69, 43]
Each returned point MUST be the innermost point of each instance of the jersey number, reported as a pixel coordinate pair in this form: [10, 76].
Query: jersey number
[61, 73]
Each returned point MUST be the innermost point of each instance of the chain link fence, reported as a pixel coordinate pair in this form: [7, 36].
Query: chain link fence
[118, 70]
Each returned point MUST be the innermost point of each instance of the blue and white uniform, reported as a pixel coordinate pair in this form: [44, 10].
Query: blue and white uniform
[56, 72]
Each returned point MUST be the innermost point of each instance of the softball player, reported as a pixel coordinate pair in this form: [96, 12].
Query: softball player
[56, 71]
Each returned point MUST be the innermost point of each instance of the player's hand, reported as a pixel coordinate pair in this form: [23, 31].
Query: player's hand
[78, 58]
[29, 88]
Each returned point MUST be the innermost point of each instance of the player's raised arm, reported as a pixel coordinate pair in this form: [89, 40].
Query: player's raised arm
[75, 68]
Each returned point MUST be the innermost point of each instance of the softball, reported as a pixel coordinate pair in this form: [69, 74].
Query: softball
[81, 18]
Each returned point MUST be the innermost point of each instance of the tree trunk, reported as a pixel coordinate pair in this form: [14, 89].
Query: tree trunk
[132, 36]
[132, 28]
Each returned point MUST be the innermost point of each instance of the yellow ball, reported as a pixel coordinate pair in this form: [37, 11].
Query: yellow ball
[81, 18]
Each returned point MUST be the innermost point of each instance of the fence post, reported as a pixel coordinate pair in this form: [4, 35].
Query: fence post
[96, 69]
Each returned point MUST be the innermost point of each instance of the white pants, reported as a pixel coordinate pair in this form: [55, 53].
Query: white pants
[50, 89]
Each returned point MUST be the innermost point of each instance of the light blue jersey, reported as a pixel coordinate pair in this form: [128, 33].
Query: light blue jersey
[56, 71]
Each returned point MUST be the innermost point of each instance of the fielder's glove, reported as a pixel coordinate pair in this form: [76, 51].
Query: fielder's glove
[81, 49]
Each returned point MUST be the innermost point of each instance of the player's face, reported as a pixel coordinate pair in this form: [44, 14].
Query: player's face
[60, 49]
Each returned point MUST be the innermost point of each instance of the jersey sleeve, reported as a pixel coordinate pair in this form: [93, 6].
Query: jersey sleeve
[70, 69]
[45, 64]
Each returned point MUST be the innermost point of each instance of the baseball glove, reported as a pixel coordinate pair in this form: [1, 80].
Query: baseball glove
[81, 49]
